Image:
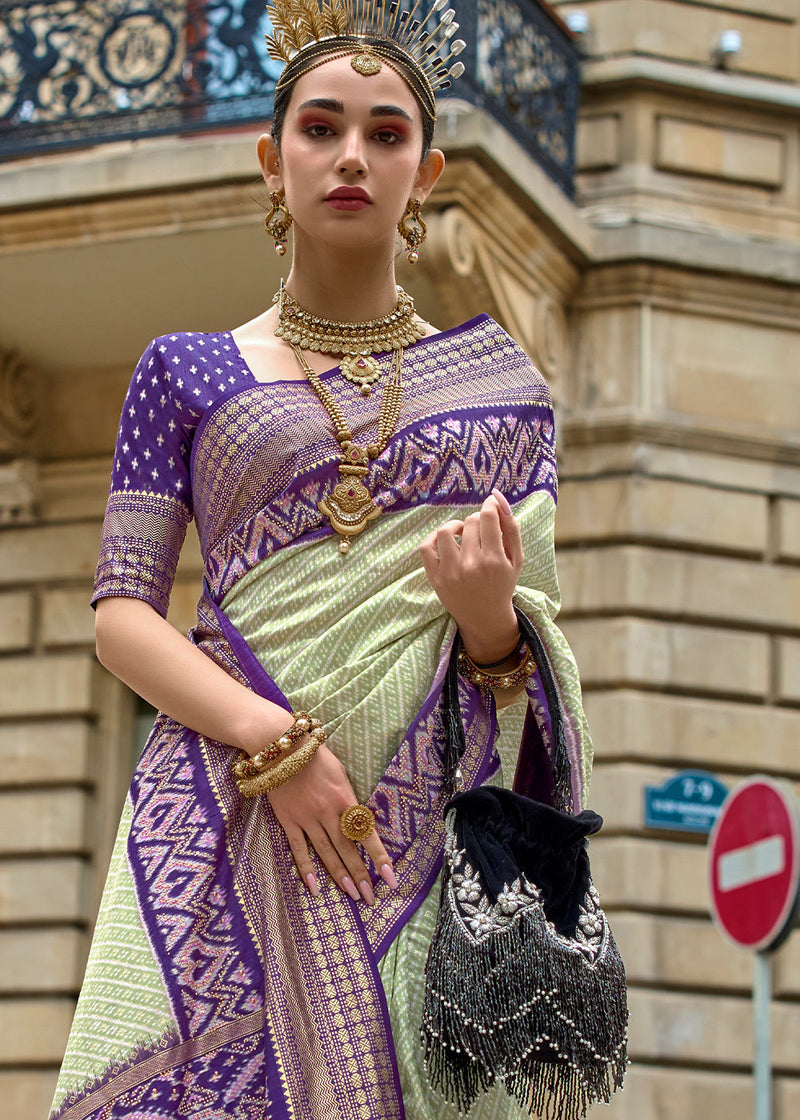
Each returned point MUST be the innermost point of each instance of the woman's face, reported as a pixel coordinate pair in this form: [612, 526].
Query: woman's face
[350, 153]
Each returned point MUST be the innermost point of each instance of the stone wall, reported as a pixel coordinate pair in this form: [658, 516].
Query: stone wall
[680, 576]
[65, 763]
[677, 526]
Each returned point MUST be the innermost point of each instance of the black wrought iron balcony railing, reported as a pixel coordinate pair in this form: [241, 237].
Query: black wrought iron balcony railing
[81, 72]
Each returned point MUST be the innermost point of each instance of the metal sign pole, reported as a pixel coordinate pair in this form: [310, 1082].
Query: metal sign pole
[762, 1024]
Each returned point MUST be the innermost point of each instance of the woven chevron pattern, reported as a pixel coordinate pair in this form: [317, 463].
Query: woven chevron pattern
[177, 852]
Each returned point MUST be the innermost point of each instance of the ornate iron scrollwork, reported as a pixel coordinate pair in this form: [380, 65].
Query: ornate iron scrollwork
[76, 72]
[527, 76]
[73, 72]
[138, 49]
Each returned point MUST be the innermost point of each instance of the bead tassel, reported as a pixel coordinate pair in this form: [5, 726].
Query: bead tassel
[523, 1005]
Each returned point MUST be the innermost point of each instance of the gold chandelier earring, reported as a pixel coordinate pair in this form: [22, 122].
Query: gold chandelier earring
[412, 229]
[278, 220]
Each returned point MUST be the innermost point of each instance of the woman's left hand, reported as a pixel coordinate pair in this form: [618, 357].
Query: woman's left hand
[473, 566]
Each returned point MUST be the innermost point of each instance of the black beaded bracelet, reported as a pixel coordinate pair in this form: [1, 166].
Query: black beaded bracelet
[502, 661]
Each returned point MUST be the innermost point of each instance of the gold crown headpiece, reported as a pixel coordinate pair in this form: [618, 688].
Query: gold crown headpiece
[322, 29]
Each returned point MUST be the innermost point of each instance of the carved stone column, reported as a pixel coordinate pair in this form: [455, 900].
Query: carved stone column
[20, 399]
[477, 259]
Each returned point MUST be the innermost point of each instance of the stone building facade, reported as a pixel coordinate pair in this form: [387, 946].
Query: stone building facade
[663, 305]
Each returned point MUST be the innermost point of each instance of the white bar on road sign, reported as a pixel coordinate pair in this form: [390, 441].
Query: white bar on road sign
[751, 863]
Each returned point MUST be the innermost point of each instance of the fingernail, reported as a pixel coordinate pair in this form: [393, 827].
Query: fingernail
[388, 875]
[313, 885]
[351, 888]
[366, 892]
[502, 501]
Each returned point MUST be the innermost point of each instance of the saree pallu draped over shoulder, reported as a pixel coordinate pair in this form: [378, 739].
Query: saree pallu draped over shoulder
[216, 985]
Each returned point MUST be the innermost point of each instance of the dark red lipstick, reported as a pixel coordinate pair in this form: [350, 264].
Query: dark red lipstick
[349, 198]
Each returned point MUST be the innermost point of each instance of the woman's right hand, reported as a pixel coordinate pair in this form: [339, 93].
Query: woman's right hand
[141, 648]
[308, 808]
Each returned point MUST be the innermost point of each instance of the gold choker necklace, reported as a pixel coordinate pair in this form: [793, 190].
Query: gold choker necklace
[356, 341]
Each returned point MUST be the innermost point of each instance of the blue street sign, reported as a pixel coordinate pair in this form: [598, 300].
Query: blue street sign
[689, 802]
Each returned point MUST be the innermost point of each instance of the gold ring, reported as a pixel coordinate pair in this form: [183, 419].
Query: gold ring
[357, 823]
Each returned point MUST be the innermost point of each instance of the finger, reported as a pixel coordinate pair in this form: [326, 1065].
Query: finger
[447, 546]
[471, 534]
[512, 539]
[491, 530]
[332, 860]
[429, 556]
[377, 853]
[428, 545]
[302, 859]
[353, 861]
[502, 502]
[454, 528]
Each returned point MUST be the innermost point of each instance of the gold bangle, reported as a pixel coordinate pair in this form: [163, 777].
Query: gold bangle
[357, 823]
[288, 768]
[250, 767]
[482, 679]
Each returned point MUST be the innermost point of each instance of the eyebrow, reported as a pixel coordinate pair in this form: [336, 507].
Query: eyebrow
[332, 105]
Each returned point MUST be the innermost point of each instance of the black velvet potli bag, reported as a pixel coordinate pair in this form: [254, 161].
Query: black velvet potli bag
[524, 983]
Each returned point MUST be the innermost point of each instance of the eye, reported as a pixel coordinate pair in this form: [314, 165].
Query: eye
[318, 130]
[388, 136]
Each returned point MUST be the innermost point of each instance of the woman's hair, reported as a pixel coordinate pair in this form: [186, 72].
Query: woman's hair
[397, 60]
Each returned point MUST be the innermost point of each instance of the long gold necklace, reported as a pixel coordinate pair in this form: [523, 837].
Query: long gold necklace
[349, 506]
[356, 341]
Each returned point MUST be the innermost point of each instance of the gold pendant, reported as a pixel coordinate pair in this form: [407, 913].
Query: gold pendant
[366, 63]
[362, 370]
[349, 506]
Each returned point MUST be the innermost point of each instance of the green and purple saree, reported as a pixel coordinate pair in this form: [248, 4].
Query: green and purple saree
[217, 987]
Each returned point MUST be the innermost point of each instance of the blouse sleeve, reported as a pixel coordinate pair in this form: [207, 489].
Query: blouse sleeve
[150, 504]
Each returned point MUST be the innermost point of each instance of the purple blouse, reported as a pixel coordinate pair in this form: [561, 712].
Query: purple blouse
[177, 378]
[201, 437]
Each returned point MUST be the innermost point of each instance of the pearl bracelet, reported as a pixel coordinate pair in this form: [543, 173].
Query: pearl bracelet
[250, 767]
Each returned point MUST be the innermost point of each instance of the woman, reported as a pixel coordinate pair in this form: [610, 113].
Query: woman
[250, 959]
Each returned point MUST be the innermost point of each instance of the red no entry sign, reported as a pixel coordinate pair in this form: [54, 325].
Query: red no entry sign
[754, 865]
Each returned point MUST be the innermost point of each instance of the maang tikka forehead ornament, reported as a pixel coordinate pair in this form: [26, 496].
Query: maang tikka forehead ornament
[308, 33]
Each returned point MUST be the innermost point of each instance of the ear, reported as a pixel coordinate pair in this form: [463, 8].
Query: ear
[270, 160]
[428, 173]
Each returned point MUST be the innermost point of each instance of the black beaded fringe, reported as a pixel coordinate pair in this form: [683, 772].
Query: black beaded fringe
[522, 1009]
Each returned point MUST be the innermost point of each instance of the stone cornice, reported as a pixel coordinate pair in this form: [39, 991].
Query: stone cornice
[635, 239]
[700, 80]
[465, 130]
[580, 428]
[693, 290]
[128, 168]
[103, 219]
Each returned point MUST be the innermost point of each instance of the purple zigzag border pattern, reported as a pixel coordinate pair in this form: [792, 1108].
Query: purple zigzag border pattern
[458, 458]
[463, 457]
[217, 1086]
[180, 865]
[224, 1084]
[409, 790]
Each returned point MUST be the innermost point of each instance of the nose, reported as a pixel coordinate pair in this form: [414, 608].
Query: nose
[352, 157]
